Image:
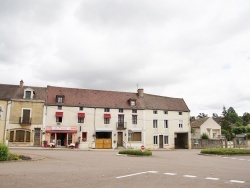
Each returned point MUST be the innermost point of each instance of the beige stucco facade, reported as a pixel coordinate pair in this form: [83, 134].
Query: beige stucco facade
[30, 130]
[3, 110]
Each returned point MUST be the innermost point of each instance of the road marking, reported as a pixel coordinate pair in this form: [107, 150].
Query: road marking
[209, 178]
[170, 174]
[189, 176]
[225, 157]
[236, 181]
[137, 174]
[242, 159]
[233, 158]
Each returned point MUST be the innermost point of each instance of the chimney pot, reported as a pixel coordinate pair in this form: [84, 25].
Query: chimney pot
[140, 92]
[21, 83]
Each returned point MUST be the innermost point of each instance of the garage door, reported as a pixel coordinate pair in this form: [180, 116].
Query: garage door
[103, 143]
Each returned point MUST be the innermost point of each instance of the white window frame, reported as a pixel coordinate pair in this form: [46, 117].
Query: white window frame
[155, 123]
[155, 139]
[165, 141]
[180, 123]
[165, 124]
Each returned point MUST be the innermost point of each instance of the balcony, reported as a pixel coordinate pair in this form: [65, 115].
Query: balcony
[121, 125]
[24, 121]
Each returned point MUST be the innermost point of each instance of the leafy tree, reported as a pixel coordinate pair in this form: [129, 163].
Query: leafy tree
[246, 118]
[215, 115]
[202, 115]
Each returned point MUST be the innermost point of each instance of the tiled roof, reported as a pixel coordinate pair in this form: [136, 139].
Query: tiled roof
[198, 122]
[8, 92]
[113, 99]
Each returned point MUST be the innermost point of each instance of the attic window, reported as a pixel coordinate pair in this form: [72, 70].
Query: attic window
[59, 99]
[28, 93]
[132, 102]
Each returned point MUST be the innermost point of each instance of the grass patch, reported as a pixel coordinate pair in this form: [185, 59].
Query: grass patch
[136, 152]
[226, 151]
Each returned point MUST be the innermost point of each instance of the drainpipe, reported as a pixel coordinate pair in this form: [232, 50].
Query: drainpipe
[94, 124]
[5, 124]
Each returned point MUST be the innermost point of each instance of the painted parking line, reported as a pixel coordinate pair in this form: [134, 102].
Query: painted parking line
[129, 175]
[189, 176]
[209, 178]
[236, 181]
[170, 174]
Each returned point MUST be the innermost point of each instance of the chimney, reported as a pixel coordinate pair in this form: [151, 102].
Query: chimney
[140, 92]
[21, 83]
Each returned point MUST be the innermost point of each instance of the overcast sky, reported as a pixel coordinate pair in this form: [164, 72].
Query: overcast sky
[196, 50]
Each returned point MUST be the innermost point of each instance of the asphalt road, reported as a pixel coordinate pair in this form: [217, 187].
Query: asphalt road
[102, 168]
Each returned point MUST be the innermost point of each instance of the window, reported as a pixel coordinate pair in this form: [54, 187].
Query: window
[120, 110]
[84, 136]
[106, 109]
[27, 94]
[165, 139]
[59, 119]
[59, 98]
[20, 136]
[165, 124]
[154, 111]
[120, 119]
[80, 120]
[134, 119]
[180, 123]
[81, 108]
[1, 111]
[155, 123]
[180, 113]
[165, 112]
[134, 111]
[25, 119]
[135, 136]
[59, 107]
[155, 139]
[132, 102]
[106, 120]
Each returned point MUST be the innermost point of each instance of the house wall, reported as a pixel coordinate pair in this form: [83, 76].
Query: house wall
[209, 127]
[173, 118]
[3, 107]
[16, 108]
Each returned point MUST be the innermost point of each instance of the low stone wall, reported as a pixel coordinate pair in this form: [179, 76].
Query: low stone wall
[206, 143]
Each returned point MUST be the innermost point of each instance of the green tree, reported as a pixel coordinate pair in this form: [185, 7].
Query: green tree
[246, 118]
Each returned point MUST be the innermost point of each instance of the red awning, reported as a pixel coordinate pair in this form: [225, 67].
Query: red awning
[61, 131]
[81, 115]
[59, 114]
[107, 116]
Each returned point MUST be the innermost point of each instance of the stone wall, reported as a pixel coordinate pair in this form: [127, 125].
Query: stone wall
[206, 143]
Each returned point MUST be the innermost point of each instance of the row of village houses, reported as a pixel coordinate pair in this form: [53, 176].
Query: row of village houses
[92, 118]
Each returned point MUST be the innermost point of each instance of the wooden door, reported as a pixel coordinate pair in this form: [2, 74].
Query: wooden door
[120, 139]
[160, 141]
[37, 137]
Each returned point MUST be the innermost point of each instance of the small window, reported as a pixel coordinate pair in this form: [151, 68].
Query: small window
[84, 136]
[80, 108]
[180, 113]
[106, 109]
[106, 120]
[180, 124]
[155, 123]
[59, 107]
[132, 102]
[165, 112]
[135, 136]
[59, 119]
[155, 139]
[134, 119]
[165, 139]
[134, 111]
[120, 110]
[59, 99]
[80, 120]
[154, 111]
[165, 124]
[27, 94]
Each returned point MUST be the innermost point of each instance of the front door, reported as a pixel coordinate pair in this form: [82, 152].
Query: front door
[160, 141]
[37, 137]
[120, 139]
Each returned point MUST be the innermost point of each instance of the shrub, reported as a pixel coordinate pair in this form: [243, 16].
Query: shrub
[225, 151]
[136, 152]
[12, 157]
[4, 150]
[204, 136]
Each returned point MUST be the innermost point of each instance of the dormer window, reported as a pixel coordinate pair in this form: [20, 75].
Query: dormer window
[132, 102]
[59, 98]
[28, 93]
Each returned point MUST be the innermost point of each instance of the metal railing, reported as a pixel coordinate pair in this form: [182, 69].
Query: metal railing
[121, 125]
[25, 121]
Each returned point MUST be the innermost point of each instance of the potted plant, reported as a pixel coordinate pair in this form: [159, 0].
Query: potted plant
[45, 143]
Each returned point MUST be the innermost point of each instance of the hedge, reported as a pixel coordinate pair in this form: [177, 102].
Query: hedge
[4, 151]
[226, 151]
[136, 152]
